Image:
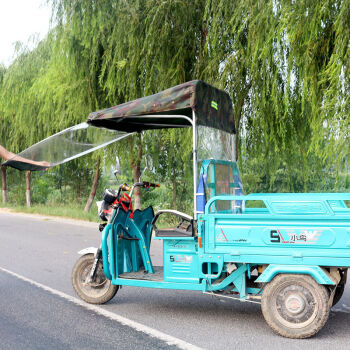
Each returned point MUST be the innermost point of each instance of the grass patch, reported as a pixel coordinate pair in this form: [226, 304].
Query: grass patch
[59, 210]
[255, 204]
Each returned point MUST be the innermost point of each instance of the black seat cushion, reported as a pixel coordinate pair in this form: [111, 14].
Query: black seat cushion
[173, 232]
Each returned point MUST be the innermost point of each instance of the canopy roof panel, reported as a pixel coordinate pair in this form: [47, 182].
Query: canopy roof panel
[166, 109]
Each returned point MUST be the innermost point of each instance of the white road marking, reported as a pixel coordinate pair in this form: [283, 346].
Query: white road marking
[344, 308]
[170, 340]
[347, 308]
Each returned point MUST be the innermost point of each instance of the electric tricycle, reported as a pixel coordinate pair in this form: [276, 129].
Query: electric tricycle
[291, 252]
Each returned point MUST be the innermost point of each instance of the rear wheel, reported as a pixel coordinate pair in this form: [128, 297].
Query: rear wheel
[295, 306]
[100, 290]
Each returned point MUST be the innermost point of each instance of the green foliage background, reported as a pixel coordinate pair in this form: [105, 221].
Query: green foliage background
[285, 64]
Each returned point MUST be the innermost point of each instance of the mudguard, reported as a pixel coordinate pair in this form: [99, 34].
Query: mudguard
[320, 275]
[90, 250]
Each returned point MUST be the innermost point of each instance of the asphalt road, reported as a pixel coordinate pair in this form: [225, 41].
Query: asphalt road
[32, 318]
[44, 250]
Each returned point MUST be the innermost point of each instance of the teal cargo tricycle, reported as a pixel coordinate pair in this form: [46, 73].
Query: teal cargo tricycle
[289, 251]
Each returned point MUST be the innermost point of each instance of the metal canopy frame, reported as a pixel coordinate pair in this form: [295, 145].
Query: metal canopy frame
[192, 123]
[194, 150]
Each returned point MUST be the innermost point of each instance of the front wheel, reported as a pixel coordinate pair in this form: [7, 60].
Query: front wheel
[295, 306]
[100, 290]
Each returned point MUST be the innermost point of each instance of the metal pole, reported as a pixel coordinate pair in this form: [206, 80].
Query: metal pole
[194, 165]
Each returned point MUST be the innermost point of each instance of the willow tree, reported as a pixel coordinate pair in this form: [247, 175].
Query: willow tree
[83, 31]
[2, 137]
[20, 126]
[286, 67]
[68, 88]
[128, 49]
[19, 107]
[153, 46]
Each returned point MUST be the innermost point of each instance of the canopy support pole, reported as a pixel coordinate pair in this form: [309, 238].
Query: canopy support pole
[194, 152]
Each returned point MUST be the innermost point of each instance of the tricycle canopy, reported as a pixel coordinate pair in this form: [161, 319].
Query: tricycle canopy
[167, 109]
[207, 109]
[195, 104]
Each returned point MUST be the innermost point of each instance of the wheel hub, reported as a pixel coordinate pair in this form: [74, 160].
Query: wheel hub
[96, 287]
[98, 281]
[295, 304]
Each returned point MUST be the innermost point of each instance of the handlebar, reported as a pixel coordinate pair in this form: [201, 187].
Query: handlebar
[144, 184]
[124, 200]
[125, 187]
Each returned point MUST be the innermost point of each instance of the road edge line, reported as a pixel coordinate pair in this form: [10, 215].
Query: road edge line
[168, 339]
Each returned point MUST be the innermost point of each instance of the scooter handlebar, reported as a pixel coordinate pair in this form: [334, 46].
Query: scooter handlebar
[147, 184]
[144, 184]
[125, 187]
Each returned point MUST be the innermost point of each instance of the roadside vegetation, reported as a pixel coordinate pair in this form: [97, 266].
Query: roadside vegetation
[285, 66]
[66, 211]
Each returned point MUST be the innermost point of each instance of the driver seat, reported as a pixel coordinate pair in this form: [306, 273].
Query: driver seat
[181, 224]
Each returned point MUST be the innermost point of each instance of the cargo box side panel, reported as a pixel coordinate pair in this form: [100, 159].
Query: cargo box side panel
[267, 239]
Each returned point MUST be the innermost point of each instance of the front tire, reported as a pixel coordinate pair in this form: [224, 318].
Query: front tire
[295, 306]
[100, 290]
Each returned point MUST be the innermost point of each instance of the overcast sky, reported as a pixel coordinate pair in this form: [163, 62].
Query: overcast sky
[19, 19]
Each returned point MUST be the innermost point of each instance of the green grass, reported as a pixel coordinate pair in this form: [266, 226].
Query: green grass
[59, 210]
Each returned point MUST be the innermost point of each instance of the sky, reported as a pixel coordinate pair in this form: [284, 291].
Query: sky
[19, 20]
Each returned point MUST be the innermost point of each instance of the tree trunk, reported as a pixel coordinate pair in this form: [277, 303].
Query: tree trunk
[174, 193]
[28, 188]
[3, 181]
[137, 191]
[94, 187]
[238, 121]
[78, 198]
[136, 172]
[239, 117]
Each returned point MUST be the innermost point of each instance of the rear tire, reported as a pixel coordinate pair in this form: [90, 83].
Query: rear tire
[98, 291]
[295, 306]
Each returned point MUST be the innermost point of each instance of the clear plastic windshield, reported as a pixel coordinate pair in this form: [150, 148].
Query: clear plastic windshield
[219, 172]
[64, 146]
[214, 144]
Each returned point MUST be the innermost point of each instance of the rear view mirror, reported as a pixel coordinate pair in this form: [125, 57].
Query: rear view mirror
[149, 166]
[117, 166]
[149, 163]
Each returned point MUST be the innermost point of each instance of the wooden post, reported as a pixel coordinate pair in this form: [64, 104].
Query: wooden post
[28, 188]
[3, 181]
